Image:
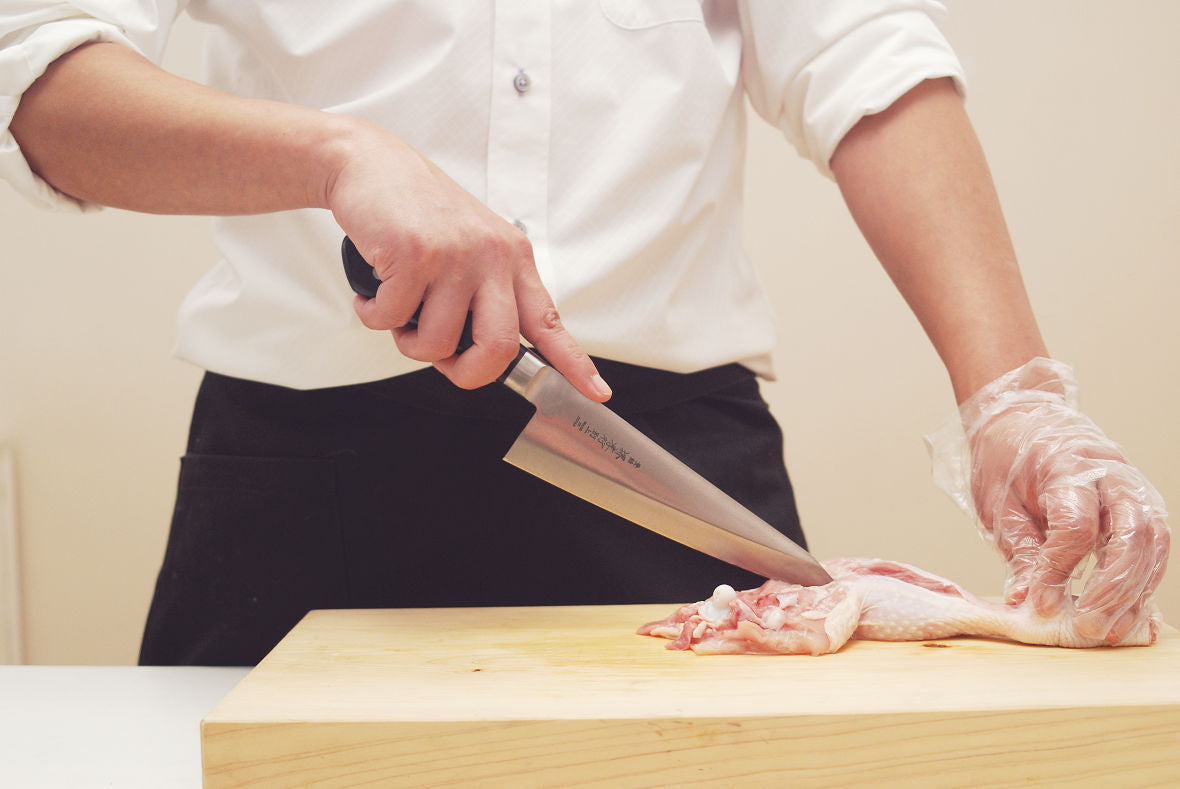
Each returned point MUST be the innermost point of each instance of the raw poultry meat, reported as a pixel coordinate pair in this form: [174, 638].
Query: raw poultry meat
[871, 599]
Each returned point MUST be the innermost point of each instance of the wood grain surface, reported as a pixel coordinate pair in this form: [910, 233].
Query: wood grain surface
[571, 697]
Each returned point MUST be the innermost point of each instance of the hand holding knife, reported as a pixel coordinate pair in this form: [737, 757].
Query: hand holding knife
[586, 449]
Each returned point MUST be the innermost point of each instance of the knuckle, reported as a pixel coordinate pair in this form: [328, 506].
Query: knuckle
[417, 348]
[1073, 522]
[503, 349]
[394, 316]
[413, 248]
[398, 319]
[459, 277]
[494, 245]
[437, 348]
[409, 351]
[470, 377]
[508, 248]
[368, 319]
[375, 251]
[551, 318]
[522, 247]
[547, 322]
[1054, 568]
[465, 380]
[495, 268]
[384, 258]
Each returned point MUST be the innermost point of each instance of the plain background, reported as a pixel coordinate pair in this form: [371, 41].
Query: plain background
[1075, 102]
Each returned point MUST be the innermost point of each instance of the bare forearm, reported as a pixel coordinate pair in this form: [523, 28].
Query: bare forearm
[918, 186]
[107, 126]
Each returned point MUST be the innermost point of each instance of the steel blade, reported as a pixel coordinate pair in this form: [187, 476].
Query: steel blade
[586, 449]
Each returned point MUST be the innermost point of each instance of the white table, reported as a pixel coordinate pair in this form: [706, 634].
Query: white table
[106, 726]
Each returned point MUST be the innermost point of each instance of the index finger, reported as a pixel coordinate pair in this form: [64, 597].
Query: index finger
[541, 325]
[1125, 561]
[1071, 532]
[1139, 616]
[1018, 537]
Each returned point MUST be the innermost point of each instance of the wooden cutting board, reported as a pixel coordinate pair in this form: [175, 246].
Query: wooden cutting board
[569, 696]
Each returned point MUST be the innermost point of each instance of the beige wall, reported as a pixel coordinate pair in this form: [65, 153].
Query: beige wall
[1074, 100]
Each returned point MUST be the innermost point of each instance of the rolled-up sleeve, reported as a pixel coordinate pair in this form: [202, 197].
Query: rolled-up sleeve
[813, 68]
[34, 34]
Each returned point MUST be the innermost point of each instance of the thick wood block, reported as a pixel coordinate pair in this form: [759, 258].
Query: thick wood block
[569, 696]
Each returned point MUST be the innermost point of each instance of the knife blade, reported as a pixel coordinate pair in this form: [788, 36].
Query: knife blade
[591, 452]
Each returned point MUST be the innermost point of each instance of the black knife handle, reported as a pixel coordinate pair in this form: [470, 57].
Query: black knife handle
[364, 281]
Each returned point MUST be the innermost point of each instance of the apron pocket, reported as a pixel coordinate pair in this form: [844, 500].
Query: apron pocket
[255, 544]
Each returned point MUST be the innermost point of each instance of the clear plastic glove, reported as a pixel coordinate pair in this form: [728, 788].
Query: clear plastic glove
[1050, 489]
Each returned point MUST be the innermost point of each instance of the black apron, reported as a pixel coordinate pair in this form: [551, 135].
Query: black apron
[394, 494]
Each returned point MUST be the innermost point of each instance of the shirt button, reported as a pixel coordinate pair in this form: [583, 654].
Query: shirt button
[521, 82]
[521, 226]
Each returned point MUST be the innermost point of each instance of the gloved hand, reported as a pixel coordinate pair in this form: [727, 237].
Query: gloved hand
[1050, 489]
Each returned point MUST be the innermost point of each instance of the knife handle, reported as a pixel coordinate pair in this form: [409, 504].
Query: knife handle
[364, 281]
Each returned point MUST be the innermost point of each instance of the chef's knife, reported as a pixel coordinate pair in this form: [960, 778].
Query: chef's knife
[586, 449]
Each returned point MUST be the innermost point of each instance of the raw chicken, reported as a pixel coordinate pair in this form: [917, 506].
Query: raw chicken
[871, 599]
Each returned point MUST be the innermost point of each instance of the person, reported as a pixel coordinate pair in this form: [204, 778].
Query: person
[507, 159]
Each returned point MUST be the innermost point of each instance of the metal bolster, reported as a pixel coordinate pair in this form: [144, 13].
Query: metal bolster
[523, 372]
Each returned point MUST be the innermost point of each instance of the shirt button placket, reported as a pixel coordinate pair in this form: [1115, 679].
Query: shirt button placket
[518, 127]
[521, 82]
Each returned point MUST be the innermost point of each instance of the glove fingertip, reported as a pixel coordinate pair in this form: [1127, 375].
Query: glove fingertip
[1016, 595]
[1048, 600]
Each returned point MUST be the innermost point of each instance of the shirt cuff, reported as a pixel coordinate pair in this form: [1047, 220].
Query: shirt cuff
[21, 63]
[864, 72]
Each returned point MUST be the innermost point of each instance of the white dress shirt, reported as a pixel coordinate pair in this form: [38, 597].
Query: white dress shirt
[612, 131]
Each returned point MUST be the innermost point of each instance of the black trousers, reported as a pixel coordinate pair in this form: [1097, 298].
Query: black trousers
[393, 494]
